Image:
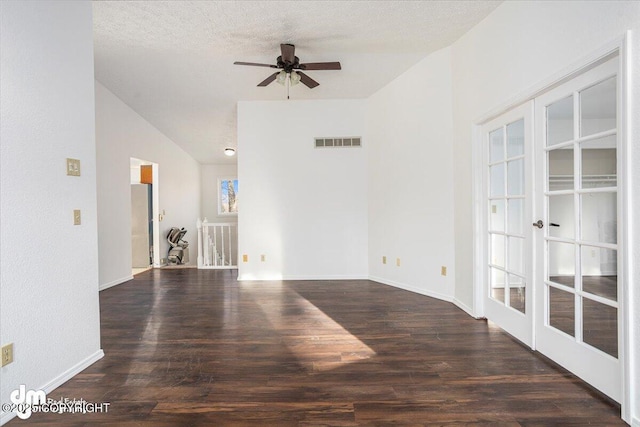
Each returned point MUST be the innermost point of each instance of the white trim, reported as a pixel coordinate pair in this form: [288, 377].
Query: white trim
[462, 306]
[157, 217]
[410, 288]
[635, 422]
[442, 297]
[60, 379]
[479, 220]
[251, 278]
[115, 283]
[339, 277]
[624, 170]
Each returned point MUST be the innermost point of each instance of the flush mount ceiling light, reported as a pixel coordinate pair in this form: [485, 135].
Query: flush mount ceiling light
[229, 151]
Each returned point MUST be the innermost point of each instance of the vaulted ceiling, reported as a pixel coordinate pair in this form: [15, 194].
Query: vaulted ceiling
[172, 62]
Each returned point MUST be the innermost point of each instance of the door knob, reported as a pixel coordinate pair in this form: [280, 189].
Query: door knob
[538, 224]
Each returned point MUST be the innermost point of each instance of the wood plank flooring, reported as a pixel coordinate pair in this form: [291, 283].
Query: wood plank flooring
[194, 347]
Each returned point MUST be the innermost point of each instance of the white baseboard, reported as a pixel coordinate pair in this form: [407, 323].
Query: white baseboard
[6, 417]
[635, 422]
[462, 306]
[60, 379]
[248, 278]
[114, 283]
[428, 293]
[410, 288]
[325, 277]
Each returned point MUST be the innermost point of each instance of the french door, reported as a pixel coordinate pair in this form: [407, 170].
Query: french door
[551, 214]
[508, 297]
[577, 289]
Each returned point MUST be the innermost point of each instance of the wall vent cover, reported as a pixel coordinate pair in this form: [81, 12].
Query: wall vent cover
[353, 141]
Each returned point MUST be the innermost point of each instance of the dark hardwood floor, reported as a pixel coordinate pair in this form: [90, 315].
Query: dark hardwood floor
[194, 347]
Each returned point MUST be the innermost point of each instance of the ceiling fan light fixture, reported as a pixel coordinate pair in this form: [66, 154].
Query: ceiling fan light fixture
[291, 69]
[229, 151]
[282, 77]
[295, 78]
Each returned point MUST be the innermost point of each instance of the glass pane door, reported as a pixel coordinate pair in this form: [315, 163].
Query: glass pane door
[509, 178]
[577, 279]
[506, 208]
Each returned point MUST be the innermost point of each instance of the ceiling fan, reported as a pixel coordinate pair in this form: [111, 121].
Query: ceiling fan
[290, 67]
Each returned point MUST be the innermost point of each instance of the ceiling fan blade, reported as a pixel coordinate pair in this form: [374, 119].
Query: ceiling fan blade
[288, 53]
[307, 81]
[321, 66]
[255, 64]
[269, 79]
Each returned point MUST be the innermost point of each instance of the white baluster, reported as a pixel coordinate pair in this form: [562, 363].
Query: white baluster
[222, 242]
[236, 246]
[230, 252]
[199, 231]
[205, 238]
[212, 251]
[215, 245]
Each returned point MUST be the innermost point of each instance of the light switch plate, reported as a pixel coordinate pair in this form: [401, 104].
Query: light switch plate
[73, 167]
[384, 259]
[443, 270]
[245, 258]
[77, 217]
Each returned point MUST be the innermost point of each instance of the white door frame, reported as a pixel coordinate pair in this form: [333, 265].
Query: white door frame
[618, 47]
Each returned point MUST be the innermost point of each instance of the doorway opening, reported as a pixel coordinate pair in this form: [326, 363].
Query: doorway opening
[145, 233]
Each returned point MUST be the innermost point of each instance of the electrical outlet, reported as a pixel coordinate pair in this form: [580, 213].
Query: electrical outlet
[443, 270]
[73, 167]
[263, 258]
[384, 259]
[245, 258]
[7, 354]
[397, 262]
[77, 217]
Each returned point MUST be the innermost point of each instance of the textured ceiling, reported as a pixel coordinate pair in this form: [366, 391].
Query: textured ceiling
[172, 61]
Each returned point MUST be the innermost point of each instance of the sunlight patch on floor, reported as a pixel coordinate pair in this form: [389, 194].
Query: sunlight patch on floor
[149, 341]
[317, 341]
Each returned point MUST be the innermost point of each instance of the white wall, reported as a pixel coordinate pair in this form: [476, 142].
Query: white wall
[210, 174]
[519, 45]
[409, 136]
[49, 267]
[304, 208]
[121, 134]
